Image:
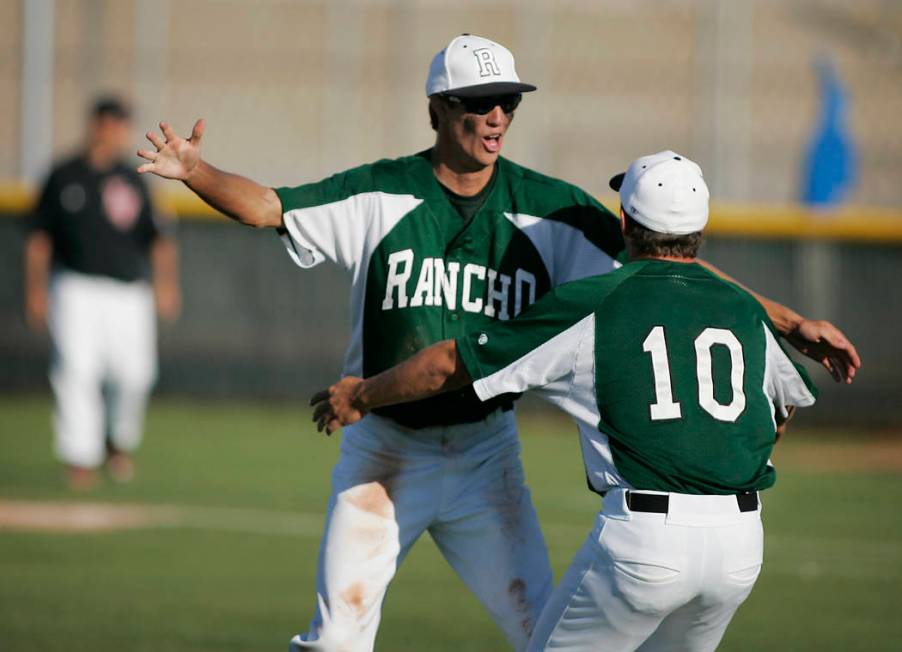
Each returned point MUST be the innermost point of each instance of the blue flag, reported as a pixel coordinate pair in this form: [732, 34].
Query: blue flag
[830, 167]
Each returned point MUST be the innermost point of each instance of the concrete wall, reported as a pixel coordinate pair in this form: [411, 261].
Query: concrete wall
[296, 89]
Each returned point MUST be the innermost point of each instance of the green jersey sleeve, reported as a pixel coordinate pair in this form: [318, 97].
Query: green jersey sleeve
[340, 218]
[786, 382]
[332, 189]
[539, 348]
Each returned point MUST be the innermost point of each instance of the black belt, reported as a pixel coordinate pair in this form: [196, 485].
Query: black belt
[659, 503]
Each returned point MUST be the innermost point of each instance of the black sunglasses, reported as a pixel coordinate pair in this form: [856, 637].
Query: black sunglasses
[483, 105]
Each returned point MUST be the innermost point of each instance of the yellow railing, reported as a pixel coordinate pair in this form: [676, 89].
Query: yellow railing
[862, 224]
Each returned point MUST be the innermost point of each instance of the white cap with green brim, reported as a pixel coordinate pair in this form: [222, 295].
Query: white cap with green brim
[664, 192]
[472, 66]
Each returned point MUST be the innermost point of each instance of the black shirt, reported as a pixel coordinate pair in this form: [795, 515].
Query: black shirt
[99, 222]
[467, 207]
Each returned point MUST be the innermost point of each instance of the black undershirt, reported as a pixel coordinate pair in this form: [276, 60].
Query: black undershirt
[467, 207]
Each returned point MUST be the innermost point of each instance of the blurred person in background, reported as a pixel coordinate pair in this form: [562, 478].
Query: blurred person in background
[438, 244]
[98, 257]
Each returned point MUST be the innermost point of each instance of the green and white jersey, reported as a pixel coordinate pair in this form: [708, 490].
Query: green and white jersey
[673, 375]
[419, 274]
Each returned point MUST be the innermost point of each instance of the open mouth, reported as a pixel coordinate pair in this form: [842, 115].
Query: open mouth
[492, 143]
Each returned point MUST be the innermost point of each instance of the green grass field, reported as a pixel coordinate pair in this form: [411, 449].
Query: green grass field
[234, 569]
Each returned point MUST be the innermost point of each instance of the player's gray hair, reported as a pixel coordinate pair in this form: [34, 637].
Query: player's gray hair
[643, 242]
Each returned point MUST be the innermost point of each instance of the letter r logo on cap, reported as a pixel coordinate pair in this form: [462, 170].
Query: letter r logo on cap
[487, 64]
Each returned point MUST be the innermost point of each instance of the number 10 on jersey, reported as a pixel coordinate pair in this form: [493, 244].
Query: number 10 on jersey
[664, 407]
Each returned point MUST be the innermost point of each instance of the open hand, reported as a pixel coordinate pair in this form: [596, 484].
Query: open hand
[334, 407]
[175, 157]
[822, 341]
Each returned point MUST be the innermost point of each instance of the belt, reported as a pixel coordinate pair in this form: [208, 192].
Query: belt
[659, 503]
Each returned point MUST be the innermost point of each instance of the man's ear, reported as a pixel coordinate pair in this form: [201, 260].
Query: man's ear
[622, 221]
[438, 108]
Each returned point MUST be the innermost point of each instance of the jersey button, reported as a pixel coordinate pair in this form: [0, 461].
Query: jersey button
[453, 316]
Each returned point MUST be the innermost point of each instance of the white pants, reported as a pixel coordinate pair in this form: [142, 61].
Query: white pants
[655, 582]
[465, 485]
[103, 332]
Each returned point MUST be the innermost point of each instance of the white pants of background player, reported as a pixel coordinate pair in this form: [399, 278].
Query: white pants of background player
[464, 484]
[103, 333]
[655, 582]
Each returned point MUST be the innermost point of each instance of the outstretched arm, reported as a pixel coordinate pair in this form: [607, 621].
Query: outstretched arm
[818, 339]
[433, 370]
[238, 197]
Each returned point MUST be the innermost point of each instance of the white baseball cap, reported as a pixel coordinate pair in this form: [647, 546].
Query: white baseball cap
[472, 66]
[664, 192]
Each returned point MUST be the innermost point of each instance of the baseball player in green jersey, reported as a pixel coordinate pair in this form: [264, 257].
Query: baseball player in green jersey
[678, 384]
[438, 244]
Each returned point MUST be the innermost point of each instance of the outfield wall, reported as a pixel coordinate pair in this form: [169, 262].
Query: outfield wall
[255, 326]
[294, 90]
